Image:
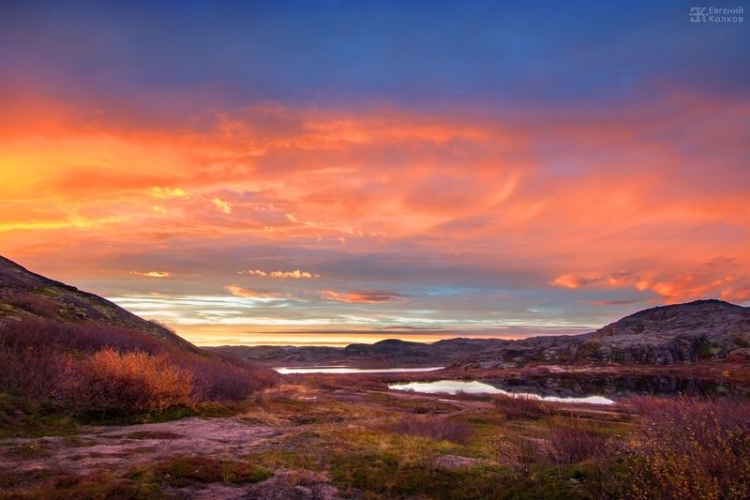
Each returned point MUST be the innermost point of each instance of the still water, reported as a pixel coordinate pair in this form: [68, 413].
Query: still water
[349, 369]
[475, 387]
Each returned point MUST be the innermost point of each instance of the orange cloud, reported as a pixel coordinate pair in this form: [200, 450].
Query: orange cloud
[718, 278]
[167, 192]
[152, 274]
[239, 291]
[363, 297]
[569, 193]
[611, 280]
[296, 274]
[222, 205]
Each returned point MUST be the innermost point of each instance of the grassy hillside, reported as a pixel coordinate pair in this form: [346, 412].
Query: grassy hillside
[74, 355]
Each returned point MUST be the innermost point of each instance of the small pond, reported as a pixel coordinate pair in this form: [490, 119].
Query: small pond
[475, 387]
[349, 369]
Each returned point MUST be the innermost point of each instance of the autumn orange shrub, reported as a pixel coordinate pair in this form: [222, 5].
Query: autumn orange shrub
[130, 381]
[89, 367]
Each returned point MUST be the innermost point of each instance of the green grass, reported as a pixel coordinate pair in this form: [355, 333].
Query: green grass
[192, 470]
[23, 417]
[553, 483]
[387, 475]
[98, 486]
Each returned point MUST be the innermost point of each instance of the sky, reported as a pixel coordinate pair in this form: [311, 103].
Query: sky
[328, 172]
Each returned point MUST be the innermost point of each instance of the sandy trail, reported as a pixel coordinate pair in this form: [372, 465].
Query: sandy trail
[123, 447]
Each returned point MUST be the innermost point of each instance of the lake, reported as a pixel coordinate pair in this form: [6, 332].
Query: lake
[475, 387]
[349, 369]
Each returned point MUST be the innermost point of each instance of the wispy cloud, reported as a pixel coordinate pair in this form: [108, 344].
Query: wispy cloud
[361, 297]
[152, 274]
[239, 291]
[296, 274]
[723, 278]
[168, 192]
[222, 205]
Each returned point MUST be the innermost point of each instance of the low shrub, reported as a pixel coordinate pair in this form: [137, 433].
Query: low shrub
[224, 378]
[572, 443]
[438, 428]
[690, 448]
[522, 407]
[89, 368]
[127, 382]
[82, 337]
[519, 454]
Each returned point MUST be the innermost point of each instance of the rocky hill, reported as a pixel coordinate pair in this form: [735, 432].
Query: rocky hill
[695, 331]
[27, 295]
[683, 332]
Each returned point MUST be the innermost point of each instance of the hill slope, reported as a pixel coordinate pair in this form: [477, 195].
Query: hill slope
[700, 330]
[27, 295]
[80, 354]
[683, 332]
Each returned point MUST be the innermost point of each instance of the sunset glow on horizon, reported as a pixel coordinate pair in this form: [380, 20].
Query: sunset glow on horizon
[337, 172]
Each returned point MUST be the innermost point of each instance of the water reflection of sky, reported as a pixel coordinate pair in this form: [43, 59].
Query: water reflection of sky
[475, 387]
[347, 369]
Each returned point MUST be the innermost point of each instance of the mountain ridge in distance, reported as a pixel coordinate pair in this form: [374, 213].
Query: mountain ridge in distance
[694, 331]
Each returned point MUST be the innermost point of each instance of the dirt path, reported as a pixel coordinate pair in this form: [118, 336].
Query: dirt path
[122, 447]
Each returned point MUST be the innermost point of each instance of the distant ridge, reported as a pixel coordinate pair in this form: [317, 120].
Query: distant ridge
[695, 331]
[25, 294]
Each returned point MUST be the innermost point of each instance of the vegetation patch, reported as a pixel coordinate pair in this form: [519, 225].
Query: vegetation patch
[21, 416]
[100, 373]
[437, 428]
[94, 486]
[387, 475]
[192, 470]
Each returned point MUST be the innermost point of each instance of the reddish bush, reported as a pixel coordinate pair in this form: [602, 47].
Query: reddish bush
[223, 378]
[82, 337]
[35, 372]
[33, 303]
[690, 448]
[520, 454]
[522, 407]
[103, 367]
[573, 443]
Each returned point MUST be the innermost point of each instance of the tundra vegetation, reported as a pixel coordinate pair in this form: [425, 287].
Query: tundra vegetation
[83, 411]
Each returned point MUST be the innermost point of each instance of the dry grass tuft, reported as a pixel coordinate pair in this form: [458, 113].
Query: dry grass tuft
[437, 428]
